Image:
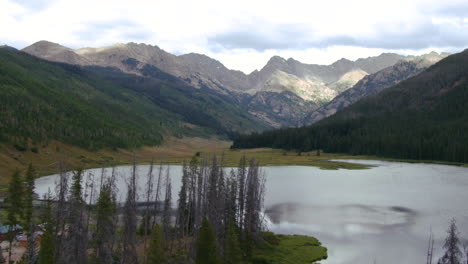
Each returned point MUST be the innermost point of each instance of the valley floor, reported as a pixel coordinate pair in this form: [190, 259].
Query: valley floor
[172, 151]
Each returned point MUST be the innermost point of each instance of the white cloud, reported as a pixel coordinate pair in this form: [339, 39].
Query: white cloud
[309, 31]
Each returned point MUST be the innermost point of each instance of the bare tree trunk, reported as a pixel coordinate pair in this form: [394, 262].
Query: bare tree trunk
[241, 174]
[146, 217]
[166, 217]
[430, 248]
[61, 191]
[129, 254]
[156, 198]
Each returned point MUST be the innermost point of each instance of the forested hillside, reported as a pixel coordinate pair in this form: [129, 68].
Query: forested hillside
[101, 107]
[422, 118]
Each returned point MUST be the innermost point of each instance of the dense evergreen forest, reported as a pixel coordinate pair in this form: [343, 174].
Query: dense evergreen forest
[423, 118]
[94, 107]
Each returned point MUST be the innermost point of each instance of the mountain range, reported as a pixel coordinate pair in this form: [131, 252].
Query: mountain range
[283, 93]
[373, 84]
[95, 107]
[130, 95]
[423, 117]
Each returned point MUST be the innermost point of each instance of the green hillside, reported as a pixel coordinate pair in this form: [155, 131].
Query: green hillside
[423, 118]
[96, 107]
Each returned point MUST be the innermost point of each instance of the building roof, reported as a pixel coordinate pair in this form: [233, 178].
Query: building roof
[4, 229]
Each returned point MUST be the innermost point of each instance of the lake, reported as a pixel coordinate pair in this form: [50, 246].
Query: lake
[379, 215]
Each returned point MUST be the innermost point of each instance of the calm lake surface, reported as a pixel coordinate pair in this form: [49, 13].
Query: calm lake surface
[380, 215]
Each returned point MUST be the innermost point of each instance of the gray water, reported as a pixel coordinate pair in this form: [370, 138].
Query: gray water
[379, 215]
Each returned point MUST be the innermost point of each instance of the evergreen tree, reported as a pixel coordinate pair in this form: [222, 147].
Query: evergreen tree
[156, 252]
[232, 250]
[77, 232]
[207, 252]
[46, 251]
[29, 195]
[453, 254]
[28, 214]
[182, 208]
[14, 209]
[129, 254]
[105, 229]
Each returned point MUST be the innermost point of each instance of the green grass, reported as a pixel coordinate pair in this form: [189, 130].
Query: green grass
[290, 249]
[363, 157]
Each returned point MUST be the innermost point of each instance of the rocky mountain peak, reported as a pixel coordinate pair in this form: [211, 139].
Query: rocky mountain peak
[55, 52]
[44, 47]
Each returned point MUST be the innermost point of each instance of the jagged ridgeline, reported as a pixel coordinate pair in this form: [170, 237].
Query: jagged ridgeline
[101, 107]
[424, 118]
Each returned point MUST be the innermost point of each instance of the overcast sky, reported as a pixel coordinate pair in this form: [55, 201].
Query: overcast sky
[243, 35]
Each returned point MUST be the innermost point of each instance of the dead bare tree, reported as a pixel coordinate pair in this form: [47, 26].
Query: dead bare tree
[166, 217]
[156, 209]
[61, 190]
[182, 208]
[146, 215]
[76, 242]
[105, 227]
[129, 254]
[241, 175]
[430, 248]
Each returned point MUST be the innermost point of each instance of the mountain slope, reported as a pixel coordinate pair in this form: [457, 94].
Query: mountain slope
[422, 118]
[96, 107]
[373, 84]
[42, 101]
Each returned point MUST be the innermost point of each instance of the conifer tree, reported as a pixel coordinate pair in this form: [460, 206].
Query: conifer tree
[28, 214]
[156, 252]
[105, 229]
[47, 249]
[453, 254]
[77, 233]
[14, 207]
[207, 252]
[182, 208]
[232, 250]
[129, 254]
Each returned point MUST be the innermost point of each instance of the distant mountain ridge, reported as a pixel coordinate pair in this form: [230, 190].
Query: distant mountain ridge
[283, 93]
[373, 84]
[199, 70]
[96, 107]
[423, 118]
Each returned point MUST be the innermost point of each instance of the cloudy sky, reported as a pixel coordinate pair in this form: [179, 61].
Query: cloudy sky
[244, 34]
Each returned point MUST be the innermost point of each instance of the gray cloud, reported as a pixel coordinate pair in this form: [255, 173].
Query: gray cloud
[450, 10]
[262, 37]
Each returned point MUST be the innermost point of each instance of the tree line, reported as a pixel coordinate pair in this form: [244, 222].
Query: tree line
[217, 218]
